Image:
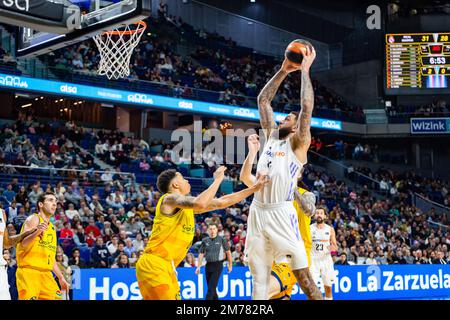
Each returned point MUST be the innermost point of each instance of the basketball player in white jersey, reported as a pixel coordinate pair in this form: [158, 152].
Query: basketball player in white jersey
[323, 243]
[7, 241]
[273, 233]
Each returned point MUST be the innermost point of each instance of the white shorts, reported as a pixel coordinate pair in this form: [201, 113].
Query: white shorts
[273, 235]
[4, 284]
[323, 267]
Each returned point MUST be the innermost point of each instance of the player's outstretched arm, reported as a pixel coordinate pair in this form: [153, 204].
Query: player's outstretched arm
[12, 241]
[306, 201]
[267, 94]
[246, 175]
[178, 201]
[230, 199]
[302, 138]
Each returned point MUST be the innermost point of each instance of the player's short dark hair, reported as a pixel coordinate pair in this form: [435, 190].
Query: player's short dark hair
[213, 224]
[295, 113]
[43, 195]
[164, 179]
[324, 208]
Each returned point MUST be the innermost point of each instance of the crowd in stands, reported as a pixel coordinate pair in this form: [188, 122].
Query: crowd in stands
[234, 74]
[113, 217]
[436, 108]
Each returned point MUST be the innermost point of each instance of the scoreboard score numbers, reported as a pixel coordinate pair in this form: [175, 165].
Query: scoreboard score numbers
[417, 63]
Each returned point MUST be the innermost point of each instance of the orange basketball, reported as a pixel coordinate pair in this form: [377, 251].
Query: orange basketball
[295, 50]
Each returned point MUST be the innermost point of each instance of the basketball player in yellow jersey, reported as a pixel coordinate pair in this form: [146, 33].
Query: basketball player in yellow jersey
[173, 230]
[282, 280]
[36, 255]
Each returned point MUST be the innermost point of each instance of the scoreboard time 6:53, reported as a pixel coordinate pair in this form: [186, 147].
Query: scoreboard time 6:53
[417, 63]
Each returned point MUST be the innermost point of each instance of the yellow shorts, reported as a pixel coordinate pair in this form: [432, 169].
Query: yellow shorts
[157, 278]
[33, 284]
[283, 273]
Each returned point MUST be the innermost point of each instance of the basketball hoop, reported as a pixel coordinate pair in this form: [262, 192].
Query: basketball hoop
[116, 48]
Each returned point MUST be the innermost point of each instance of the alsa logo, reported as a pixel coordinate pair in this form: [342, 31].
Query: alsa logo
[185, 105]
[22, 5]
[140, 98]
[331, 124]
[275, 154]
[244, 113]
[13, 82]
[68, 89]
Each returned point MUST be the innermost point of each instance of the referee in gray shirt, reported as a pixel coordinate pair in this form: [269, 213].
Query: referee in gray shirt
[214, 248]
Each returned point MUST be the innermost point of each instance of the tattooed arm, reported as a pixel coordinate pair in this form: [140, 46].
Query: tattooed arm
[230, 199]
[178, 201]
[302, 138]
[12, 241]
[175, 201]
[267, 94]
[306, 201]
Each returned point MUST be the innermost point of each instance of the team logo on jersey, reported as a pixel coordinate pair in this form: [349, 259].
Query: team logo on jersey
[327, 233]
[275, 154]
[188, 229]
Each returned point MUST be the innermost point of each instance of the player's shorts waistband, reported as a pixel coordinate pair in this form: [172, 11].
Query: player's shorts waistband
[276, 205]
[34, 268]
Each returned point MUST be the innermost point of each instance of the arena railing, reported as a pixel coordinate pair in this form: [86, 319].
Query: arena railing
[49, 175]
[405, 117]
[426, 205]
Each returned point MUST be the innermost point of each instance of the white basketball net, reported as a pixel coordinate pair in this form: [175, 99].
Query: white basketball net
[116, 48]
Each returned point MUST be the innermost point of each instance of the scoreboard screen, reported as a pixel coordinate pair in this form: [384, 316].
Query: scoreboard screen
[417, 63]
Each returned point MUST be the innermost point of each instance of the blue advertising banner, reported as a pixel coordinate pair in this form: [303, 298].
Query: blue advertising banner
[430, 125]
[145, 100]
[362, 282]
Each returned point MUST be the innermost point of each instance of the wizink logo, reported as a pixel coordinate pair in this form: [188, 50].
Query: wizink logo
[185, 105]
[68, 89]
[21, 5]
[140, 98]
[11, 81]
[242, 112]
[428, 125]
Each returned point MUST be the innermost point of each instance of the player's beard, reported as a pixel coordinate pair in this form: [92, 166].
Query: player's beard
[283, 132]
[319, 220]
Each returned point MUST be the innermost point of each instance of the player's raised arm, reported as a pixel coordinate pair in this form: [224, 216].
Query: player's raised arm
[267, 94]
[246, 171]
[230, 199]
[179, 201]
[302, 138]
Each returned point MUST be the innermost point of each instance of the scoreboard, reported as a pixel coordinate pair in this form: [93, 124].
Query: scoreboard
[417, 63]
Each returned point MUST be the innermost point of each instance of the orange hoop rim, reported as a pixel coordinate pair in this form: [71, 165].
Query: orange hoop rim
[141, 27]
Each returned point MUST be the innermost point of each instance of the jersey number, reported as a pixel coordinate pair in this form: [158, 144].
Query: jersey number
[319, 247]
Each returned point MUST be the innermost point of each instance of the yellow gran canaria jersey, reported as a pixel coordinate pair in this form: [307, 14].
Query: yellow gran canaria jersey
[41, 253]
[282, 272]
[172, 235]
[303, 224]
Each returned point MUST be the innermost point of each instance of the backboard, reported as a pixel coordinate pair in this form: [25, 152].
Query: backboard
[81, 20]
